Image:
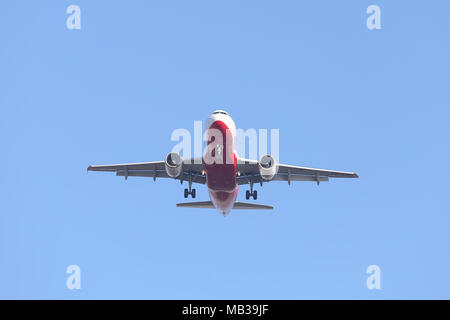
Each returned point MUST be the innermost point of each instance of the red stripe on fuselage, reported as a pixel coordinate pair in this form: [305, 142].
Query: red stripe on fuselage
[221, 175]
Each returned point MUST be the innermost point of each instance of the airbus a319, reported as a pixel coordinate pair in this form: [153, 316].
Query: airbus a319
[221, 169]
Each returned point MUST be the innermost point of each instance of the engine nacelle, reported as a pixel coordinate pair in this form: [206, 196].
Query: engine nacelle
[174, 164]
[268, 168]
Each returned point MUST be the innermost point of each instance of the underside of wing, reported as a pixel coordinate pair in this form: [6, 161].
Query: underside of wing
[287, 169]
[154, 169]
[249, 172]
[191, 170]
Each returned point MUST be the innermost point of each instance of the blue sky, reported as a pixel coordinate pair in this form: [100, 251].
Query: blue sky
[344, 97]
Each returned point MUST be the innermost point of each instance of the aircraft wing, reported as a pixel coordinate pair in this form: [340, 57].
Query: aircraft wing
[155, 169]
[249, 173]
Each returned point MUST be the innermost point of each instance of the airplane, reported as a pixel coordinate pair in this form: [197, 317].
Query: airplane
[222, 170]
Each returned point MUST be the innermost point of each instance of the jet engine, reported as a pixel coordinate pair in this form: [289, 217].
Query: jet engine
[268, 168]
[173, 164]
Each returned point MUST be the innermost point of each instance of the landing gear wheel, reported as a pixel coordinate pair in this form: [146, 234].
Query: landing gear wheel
[247, 195]
[186, 193]
[255, 195]
[193, 193]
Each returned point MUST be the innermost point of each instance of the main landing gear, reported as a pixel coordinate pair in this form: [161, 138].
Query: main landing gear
[189, 191]
[251, 193]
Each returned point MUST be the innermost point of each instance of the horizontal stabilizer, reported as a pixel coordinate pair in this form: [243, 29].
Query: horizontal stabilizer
[237, 205]
[200, 204]
[248, 205]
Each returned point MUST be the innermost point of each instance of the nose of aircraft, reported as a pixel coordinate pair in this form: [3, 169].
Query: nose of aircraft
[220, 115]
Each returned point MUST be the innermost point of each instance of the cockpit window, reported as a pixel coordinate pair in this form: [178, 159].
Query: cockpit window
[220, 112]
